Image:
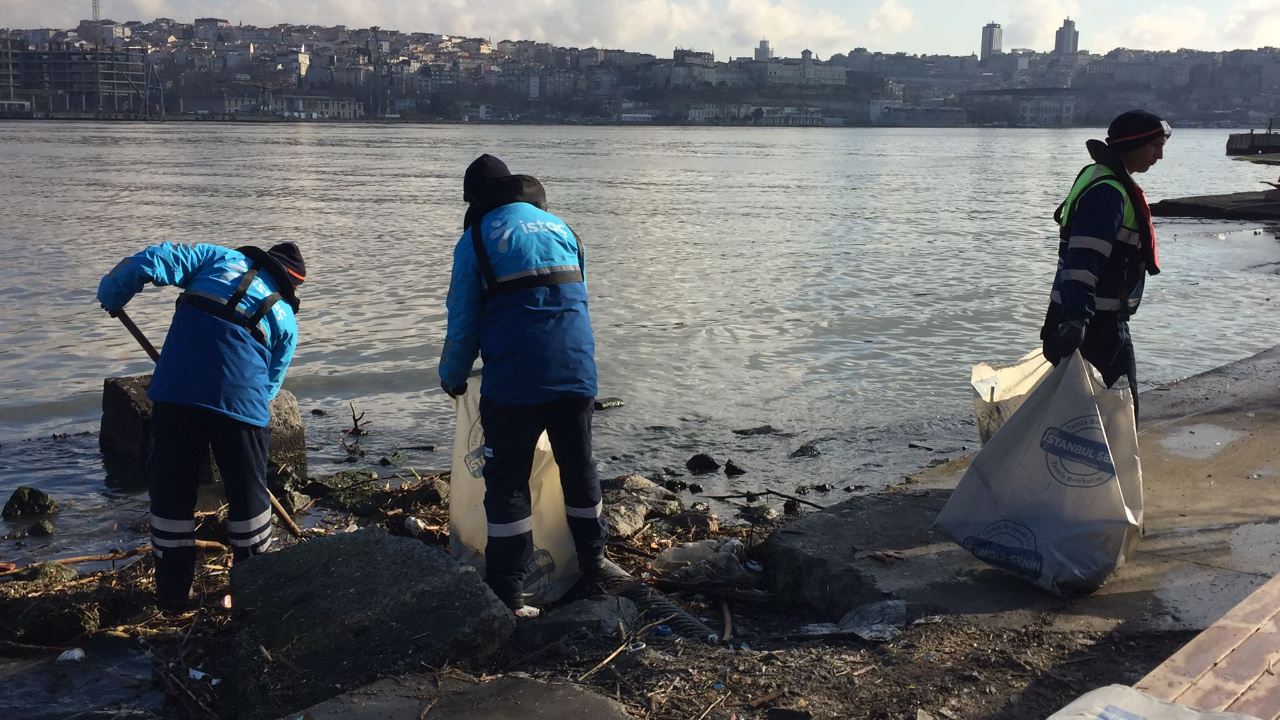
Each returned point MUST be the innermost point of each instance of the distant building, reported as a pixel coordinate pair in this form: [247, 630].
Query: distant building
[764, 53]
[992, 42]
[693, 57]
[1067, 41]
[68, 78]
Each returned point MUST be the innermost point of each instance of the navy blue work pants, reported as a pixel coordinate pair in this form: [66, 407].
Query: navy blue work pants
[1107, 346]
[510, 434]
[181, 437]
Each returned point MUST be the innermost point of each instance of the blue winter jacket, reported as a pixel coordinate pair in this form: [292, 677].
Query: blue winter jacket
[207, 361]
[532, 330]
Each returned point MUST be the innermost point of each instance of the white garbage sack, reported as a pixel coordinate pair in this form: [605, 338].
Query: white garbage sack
[554, 567]
[1120, 702]
[998, 391]
[1056, 496]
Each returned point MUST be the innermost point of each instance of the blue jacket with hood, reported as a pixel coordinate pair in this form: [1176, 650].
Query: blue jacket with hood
[208, 361]
[525, 314]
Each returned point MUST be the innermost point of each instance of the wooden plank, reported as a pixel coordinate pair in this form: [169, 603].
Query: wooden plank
[1175, 675]
[1202, 655]
[1237, 672]
[1262, 699]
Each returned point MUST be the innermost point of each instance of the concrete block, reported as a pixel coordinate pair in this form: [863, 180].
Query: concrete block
[125, 436]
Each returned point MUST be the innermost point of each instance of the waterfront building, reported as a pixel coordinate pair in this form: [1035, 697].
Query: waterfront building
[85, 79]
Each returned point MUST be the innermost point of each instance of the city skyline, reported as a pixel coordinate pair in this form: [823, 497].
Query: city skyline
[733, 28]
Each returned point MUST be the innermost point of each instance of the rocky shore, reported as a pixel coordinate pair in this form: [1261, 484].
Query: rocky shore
[854, 610]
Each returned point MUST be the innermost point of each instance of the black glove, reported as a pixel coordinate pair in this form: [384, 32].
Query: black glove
[1070, 336]
[454, 392]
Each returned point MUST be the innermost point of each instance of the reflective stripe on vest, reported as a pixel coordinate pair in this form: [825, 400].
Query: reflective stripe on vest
[1101, 304]
[537, 277]
[229, 309]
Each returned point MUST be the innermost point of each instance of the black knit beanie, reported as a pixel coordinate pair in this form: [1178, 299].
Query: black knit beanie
[1133, 129]
[480, 171]
[289, 257]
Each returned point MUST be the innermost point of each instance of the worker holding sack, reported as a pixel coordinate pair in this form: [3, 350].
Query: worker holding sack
[232, 337]
[518, 299]
[1107, 247]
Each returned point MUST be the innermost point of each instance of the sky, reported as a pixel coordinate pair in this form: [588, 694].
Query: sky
[732, 28]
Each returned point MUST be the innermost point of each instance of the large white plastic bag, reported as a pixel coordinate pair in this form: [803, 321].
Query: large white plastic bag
[1056, 496]
[1120, 702]
[554, 568]
[998, 391]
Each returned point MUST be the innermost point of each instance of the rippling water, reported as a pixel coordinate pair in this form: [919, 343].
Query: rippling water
[835, 283]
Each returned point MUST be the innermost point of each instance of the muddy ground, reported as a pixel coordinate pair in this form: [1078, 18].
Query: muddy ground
[939, 667]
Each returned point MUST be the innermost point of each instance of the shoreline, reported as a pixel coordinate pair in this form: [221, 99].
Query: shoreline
[1028, 660]
[271, 120]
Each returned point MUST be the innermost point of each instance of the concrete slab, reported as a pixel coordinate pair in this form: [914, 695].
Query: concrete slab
[1208, 446]
[1236, 206]
[509, 697]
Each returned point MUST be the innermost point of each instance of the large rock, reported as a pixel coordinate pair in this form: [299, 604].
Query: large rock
[126, 433]
[28, 502]
[631, 499]
[337, 612]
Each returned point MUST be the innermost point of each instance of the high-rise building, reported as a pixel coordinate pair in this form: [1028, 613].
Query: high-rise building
[764, 53]
[992, 37]
[1067, 41]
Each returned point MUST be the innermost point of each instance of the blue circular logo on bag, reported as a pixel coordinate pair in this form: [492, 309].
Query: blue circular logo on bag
[1076, 453]
[1009, 546]
[475, 449]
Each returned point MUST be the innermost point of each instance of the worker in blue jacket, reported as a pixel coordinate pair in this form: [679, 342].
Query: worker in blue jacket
[232, 337]
[1106, 248]
[518, 298]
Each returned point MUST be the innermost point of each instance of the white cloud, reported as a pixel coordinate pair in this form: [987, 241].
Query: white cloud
[789, 25]
[1032, 23]
[890, 19]
[1252, 24]
[1246, 24]
[1163, 27]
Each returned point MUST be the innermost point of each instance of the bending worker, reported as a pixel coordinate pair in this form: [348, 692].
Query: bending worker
[1107, 247]
[229, 345]
[518, 297]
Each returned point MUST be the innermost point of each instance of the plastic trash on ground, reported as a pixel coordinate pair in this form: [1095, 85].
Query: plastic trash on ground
[1123, 702]
[72, 654]
[1056, 497]
[554, 567]
[706, 561]
[998, 391]
[674, 558]
[876, 622]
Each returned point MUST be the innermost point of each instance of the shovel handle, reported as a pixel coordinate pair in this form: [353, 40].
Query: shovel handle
[125, 320]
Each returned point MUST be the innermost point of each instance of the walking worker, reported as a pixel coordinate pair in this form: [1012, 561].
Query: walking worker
[1107, 247]
[518, 298]
[232, 337]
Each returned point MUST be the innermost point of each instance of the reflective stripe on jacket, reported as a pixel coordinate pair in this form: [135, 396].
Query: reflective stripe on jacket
[1101, 266]
[526, 315]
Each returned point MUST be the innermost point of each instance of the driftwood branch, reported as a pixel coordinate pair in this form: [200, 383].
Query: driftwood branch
[775, 493]
[115, 555]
